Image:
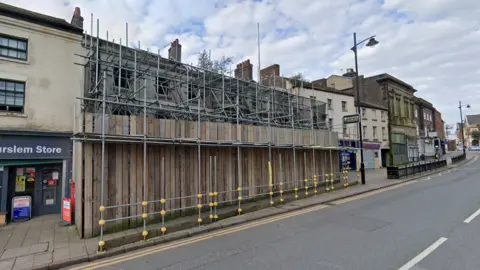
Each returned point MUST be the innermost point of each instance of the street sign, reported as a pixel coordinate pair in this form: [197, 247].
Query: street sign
[351, 119]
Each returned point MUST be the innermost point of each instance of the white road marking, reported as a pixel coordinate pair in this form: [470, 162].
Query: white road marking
[423, 254]
[470, 218]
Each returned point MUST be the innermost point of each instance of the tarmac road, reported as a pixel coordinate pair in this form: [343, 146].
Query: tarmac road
[427, 224]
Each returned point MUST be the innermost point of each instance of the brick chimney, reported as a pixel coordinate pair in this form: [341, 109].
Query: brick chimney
[271, 76]
[77, 19]
[175, 51]
[244, 70]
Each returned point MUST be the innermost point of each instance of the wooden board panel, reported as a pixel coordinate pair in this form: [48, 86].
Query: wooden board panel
[132, 194]
[88, 199]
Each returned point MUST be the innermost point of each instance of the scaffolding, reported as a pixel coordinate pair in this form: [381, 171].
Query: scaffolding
[135, 86]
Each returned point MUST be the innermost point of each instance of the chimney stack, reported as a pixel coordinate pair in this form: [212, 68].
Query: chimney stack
[271, 76]
[175, 51]
[244, 71]
[77, 19]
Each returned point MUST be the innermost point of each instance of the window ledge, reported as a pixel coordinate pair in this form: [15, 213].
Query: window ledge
[12, 114]
[16, 61]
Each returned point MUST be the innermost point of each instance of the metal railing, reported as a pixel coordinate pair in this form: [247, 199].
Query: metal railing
[458, 158]
[397, 172]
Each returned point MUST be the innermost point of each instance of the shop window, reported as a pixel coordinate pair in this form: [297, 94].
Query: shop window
[12, 96]
[50, 181]
[13, 48]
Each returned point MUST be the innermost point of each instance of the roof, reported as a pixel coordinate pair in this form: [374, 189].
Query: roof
[38, 18]
[325, 89]
[371, 106]
[473, 119]
[424, 102]
[385, 76]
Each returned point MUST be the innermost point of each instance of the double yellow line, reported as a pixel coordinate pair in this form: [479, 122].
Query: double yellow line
[192, 240]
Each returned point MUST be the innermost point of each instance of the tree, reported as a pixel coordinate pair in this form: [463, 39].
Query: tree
[476, 135]
[220, 66]
[297, 79]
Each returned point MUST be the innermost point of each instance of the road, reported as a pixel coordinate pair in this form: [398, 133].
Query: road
[428, 224]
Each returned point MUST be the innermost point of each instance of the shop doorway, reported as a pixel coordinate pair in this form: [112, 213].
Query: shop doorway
[43, 183]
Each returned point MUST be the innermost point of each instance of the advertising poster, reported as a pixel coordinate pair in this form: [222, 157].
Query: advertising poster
[20, 183]
[21, 208]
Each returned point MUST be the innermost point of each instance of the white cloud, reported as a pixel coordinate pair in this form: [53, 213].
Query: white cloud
[431, 44]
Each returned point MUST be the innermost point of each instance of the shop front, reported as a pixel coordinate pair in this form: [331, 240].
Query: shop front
[34, 173]
[371, 155]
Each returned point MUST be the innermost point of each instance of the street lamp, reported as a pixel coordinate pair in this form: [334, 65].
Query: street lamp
[461, 123]
[371, 42]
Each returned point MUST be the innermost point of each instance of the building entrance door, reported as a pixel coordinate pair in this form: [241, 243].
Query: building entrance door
[42, 183]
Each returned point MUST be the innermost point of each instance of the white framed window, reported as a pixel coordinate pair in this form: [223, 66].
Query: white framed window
[14, 48]
[12, 96]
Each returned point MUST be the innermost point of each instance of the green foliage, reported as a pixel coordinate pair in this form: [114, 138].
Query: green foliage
[476, 135]
[219, 66]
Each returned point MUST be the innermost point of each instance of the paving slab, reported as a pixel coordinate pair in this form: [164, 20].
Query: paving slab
[7, 264]
[42, 259]
[25, 262]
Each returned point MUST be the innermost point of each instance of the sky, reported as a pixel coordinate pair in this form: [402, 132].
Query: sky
[433, 45]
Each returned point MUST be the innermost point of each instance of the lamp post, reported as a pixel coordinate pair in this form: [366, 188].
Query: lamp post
[461, 123]
[371, 42]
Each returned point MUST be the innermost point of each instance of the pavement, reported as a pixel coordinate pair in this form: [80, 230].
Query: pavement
[425, 223]
[42, 244]
[41, 241]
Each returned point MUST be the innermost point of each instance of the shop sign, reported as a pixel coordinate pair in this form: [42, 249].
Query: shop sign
[21, 208]
[34, 147]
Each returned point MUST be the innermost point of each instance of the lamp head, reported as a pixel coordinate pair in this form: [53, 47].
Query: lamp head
[372, 42]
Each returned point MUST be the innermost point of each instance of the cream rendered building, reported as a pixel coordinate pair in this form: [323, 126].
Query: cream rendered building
[39, 83]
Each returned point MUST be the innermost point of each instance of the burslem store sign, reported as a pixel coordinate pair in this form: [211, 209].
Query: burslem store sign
[34, 147]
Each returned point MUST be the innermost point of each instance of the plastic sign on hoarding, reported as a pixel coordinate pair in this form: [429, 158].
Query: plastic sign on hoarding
[21, 208]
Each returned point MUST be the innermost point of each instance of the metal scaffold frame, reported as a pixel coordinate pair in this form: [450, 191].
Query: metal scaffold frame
[123, 80]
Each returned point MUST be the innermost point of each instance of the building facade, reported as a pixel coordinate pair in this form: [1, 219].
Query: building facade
[375, 135]
[425, 125]
[471, 130]
[39, 83]
[398, 96]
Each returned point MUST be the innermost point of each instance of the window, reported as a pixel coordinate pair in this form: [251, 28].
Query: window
[14, 48]
[124, 78]
[384, 133]
[416, 113]
[193, 92]
[330, 123]
[329, 103]
[364, 132]
[382, 115]
[161, 86]
[12, 96]
[344, 106]
[374, 132]
[374, 113]
[364, 113]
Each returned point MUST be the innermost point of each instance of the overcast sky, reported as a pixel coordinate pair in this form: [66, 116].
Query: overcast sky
[433, 45]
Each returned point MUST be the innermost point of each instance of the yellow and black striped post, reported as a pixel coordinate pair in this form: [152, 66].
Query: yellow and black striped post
[306, 187]
[215, 204]
[163, 213]
[281, 192]
[101, 222]
[332, 181]
[239, 210]
[270, 183]
[327, 182]
[199, 206]
[315, 185]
